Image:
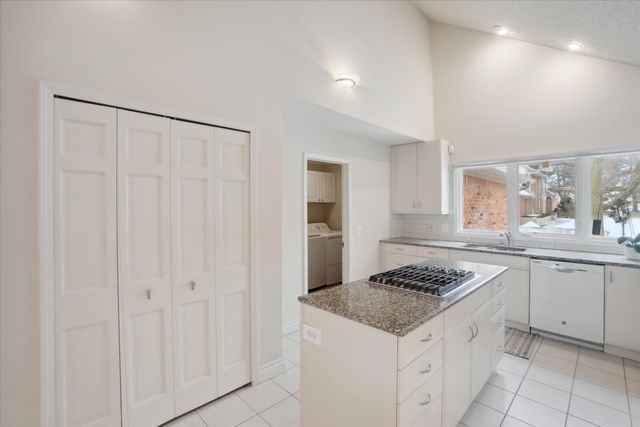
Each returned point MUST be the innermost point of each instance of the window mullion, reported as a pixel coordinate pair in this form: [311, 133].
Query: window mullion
[513, 211]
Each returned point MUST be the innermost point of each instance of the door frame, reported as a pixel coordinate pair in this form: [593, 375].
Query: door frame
[46, 125]
[346, 209]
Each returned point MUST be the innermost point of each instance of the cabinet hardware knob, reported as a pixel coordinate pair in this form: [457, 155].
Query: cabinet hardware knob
[427, 370]
[193, 285]
[564, 322]
[426, 401]
[427, 338]
[148, 292]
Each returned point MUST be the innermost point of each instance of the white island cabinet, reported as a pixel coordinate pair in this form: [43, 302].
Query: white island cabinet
[354, 374]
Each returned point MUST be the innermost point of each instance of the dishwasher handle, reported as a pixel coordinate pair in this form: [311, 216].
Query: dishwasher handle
[559, 269]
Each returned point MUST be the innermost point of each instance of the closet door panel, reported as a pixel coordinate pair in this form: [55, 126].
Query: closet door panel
[144, 252]
[233, 263]
[85, 265]
[192, 204]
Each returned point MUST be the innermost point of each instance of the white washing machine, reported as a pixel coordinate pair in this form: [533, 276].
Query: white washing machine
[324, 255]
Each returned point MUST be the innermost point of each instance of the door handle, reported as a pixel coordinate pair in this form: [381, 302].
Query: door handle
[148, 292]
[426, 401]
[426, 370]
[427, 338]
[193, 285]
[477, 329]
[472, 334]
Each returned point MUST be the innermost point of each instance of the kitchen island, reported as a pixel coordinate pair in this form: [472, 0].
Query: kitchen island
[375, 355]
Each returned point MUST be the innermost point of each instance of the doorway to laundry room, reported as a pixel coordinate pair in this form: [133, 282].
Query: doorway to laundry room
[326, 222]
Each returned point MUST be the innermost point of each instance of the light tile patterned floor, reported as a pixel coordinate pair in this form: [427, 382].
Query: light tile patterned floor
[273, 403]
[563, 385]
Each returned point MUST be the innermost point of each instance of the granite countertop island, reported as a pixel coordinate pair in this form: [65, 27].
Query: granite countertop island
[538, 253]
[393, 310]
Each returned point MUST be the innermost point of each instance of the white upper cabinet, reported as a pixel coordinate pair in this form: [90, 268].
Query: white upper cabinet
[321, 187]
[404, 178]
[420, 178]
[622, 317]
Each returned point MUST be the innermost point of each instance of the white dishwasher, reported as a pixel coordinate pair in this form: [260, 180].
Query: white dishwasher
[568, 299]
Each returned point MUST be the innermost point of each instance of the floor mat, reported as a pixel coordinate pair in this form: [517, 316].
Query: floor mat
[519, 343]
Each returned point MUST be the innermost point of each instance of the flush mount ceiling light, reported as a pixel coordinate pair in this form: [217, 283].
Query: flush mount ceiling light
[346, 81]
[501, 31]
[574, 45]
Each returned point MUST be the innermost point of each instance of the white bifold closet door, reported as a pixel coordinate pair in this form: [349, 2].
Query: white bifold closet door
[144, 251]
[85, 264]
[233, 258]
[192, 213]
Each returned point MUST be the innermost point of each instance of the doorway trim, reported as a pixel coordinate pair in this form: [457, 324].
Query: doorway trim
[47, 92]
[346, 210]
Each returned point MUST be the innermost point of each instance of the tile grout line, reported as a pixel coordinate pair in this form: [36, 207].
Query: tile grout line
[573, 381]
[626, 388]
[515, 394]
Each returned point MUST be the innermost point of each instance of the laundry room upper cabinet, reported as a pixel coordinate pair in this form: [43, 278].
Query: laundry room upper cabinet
[420, 178]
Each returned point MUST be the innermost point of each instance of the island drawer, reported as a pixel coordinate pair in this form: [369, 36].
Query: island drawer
[418, 371]
[432, 417]
[499, 302]
[400, 249]
[498, 319]
[421, 400]
[417, 342]
[427, 252]
[457, 313]
[497, 348]
[497, 285]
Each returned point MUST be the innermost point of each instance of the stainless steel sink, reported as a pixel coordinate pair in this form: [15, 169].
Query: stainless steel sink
[495, 247]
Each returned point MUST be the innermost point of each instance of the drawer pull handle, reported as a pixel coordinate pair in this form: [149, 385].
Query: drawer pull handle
[472, 334]
[193, 285]
[500, 285]
[426, 401]
[426, 371]
[400, 249]
[148, 292]
[499, 349]
[427, 339]
[500, 303]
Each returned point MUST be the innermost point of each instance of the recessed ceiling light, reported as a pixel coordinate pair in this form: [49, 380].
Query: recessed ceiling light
[574, 45]
[346, 80]
[501, 31]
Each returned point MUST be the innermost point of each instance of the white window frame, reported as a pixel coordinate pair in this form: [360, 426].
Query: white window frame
[582, 235]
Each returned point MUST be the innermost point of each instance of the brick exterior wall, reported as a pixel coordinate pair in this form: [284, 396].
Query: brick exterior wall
[485, 204]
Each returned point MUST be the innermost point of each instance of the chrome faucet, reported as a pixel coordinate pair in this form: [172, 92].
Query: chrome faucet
[507, 234]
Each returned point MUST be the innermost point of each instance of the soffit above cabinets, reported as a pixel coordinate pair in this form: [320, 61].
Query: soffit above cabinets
[608, 29]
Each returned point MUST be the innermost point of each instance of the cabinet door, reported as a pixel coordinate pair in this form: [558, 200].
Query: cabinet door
[85, 266]
[144, 251]
[622, 316]
[232, 258]
[314, 186]
[457, 373]
[481, 348]
[517, 284]
[433, 177]
[328, 188]
[192, 196]
[404, 178]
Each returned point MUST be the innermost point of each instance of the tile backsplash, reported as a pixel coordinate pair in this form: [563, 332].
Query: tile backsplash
[442, 227]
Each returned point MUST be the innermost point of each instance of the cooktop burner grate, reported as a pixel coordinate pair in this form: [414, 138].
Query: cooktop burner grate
[427, 279]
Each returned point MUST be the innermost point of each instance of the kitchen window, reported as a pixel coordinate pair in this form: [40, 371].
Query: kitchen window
[615, 195]
[585, 198]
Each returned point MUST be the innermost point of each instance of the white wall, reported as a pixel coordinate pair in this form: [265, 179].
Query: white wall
[369, 192]
[498, 98]
[227, 59]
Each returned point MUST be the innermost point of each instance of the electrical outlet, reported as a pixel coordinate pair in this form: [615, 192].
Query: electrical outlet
[311, 334]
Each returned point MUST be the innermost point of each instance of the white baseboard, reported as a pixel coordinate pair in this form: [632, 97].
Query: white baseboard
[622, 352]
[290, 326]
[270, 370]
[517, 325]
